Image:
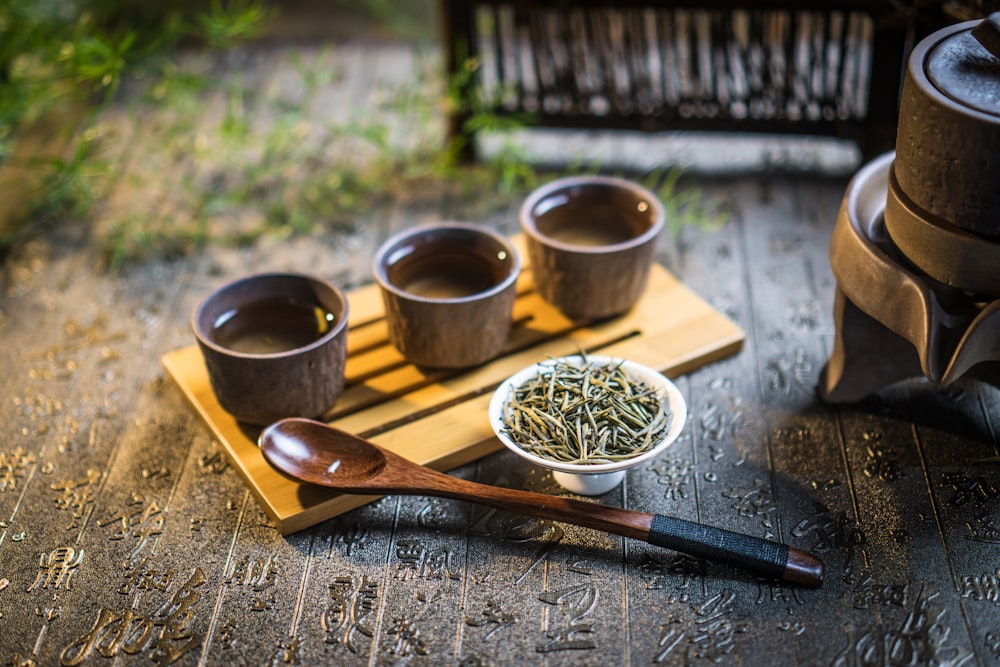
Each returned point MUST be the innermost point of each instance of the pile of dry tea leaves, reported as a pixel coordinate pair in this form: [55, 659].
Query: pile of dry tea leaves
[585, 413]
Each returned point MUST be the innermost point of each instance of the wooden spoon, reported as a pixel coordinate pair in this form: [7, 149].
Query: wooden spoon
[313, 452]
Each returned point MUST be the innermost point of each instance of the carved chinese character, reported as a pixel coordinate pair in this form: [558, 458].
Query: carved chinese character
[881, 463]
[830, 532]
[718, 422]
[795, 627]
[773, 592]
[56, 568]
[755, 501]
[710, 633]
[256, 573]
[427, 597]
[437, 565]
[575, 603]
[409, 553]
[265, 603]
[13, 465]
[175, 617]
[433, 514]
[142, 576]
[657, 574]
[229, 634]
[920, 638]
[787, 373]
[408, 639]
[981, 587]
[353, 538]
[286, 652]
[673, 473]
[110, 633]
[76, 495]
[974, 490]
[351, 612]
[984, 528]
[418, 562]
[139, 521]
[715, 633]
[166, 633]
[493, 617]
[215, 463]
[155, 473]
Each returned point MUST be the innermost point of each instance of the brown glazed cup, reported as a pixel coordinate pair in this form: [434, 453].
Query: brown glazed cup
[275, 346]
[591, 241]
[449, 292]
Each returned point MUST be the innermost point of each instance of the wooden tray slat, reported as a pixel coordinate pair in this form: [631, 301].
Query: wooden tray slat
[439, 418]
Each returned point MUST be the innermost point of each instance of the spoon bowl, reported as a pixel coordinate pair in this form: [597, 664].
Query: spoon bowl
[321, 456]
[313, 452]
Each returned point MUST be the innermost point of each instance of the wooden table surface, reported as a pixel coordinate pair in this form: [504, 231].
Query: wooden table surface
[127, 538]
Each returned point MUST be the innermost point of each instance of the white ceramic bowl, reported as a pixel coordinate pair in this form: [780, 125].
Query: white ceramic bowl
[598, 478]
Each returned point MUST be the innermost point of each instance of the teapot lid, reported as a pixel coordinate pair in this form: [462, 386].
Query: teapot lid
[964, 64]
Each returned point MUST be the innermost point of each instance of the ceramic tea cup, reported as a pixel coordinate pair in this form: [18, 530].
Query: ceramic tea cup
[275, 346]
[591, 241]
[449, 292]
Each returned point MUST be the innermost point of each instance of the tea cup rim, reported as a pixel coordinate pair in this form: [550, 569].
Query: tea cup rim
[390, 243]
[529, 225]
[205, 339]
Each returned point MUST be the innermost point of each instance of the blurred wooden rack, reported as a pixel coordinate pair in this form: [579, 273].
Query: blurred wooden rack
[827, 67]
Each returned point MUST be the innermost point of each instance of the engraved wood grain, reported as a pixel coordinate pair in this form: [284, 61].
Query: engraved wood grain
[439, 419]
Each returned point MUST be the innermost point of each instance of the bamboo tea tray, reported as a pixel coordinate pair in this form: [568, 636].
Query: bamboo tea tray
[439, 418]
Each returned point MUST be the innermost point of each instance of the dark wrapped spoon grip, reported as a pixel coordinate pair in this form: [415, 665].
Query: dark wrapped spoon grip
[760, 556]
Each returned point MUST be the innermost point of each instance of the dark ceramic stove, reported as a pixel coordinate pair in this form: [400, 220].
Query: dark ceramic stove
[893, 321]
[916, 246]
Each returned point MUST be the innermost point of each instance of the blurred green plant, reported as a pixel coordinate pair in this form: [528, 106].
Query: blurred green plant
[302, 171]
[207, 152]
[477, 110]
[685, 206]
[62, 62]
[223, 24]
[413, 19]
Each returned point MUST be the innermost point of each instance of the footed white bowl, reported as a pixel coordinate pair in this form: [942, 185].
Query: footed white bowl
[597, 478]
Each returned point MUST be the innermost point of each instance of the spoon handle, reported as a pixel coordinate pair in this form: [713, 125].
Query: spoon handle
[773, 560]
[770, 559]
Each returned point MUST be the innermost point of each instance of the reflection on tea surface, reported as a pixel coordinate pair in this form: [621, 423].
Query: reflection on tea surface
[446, 276]
[591, 222]
[270, 326]
[590, 233]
